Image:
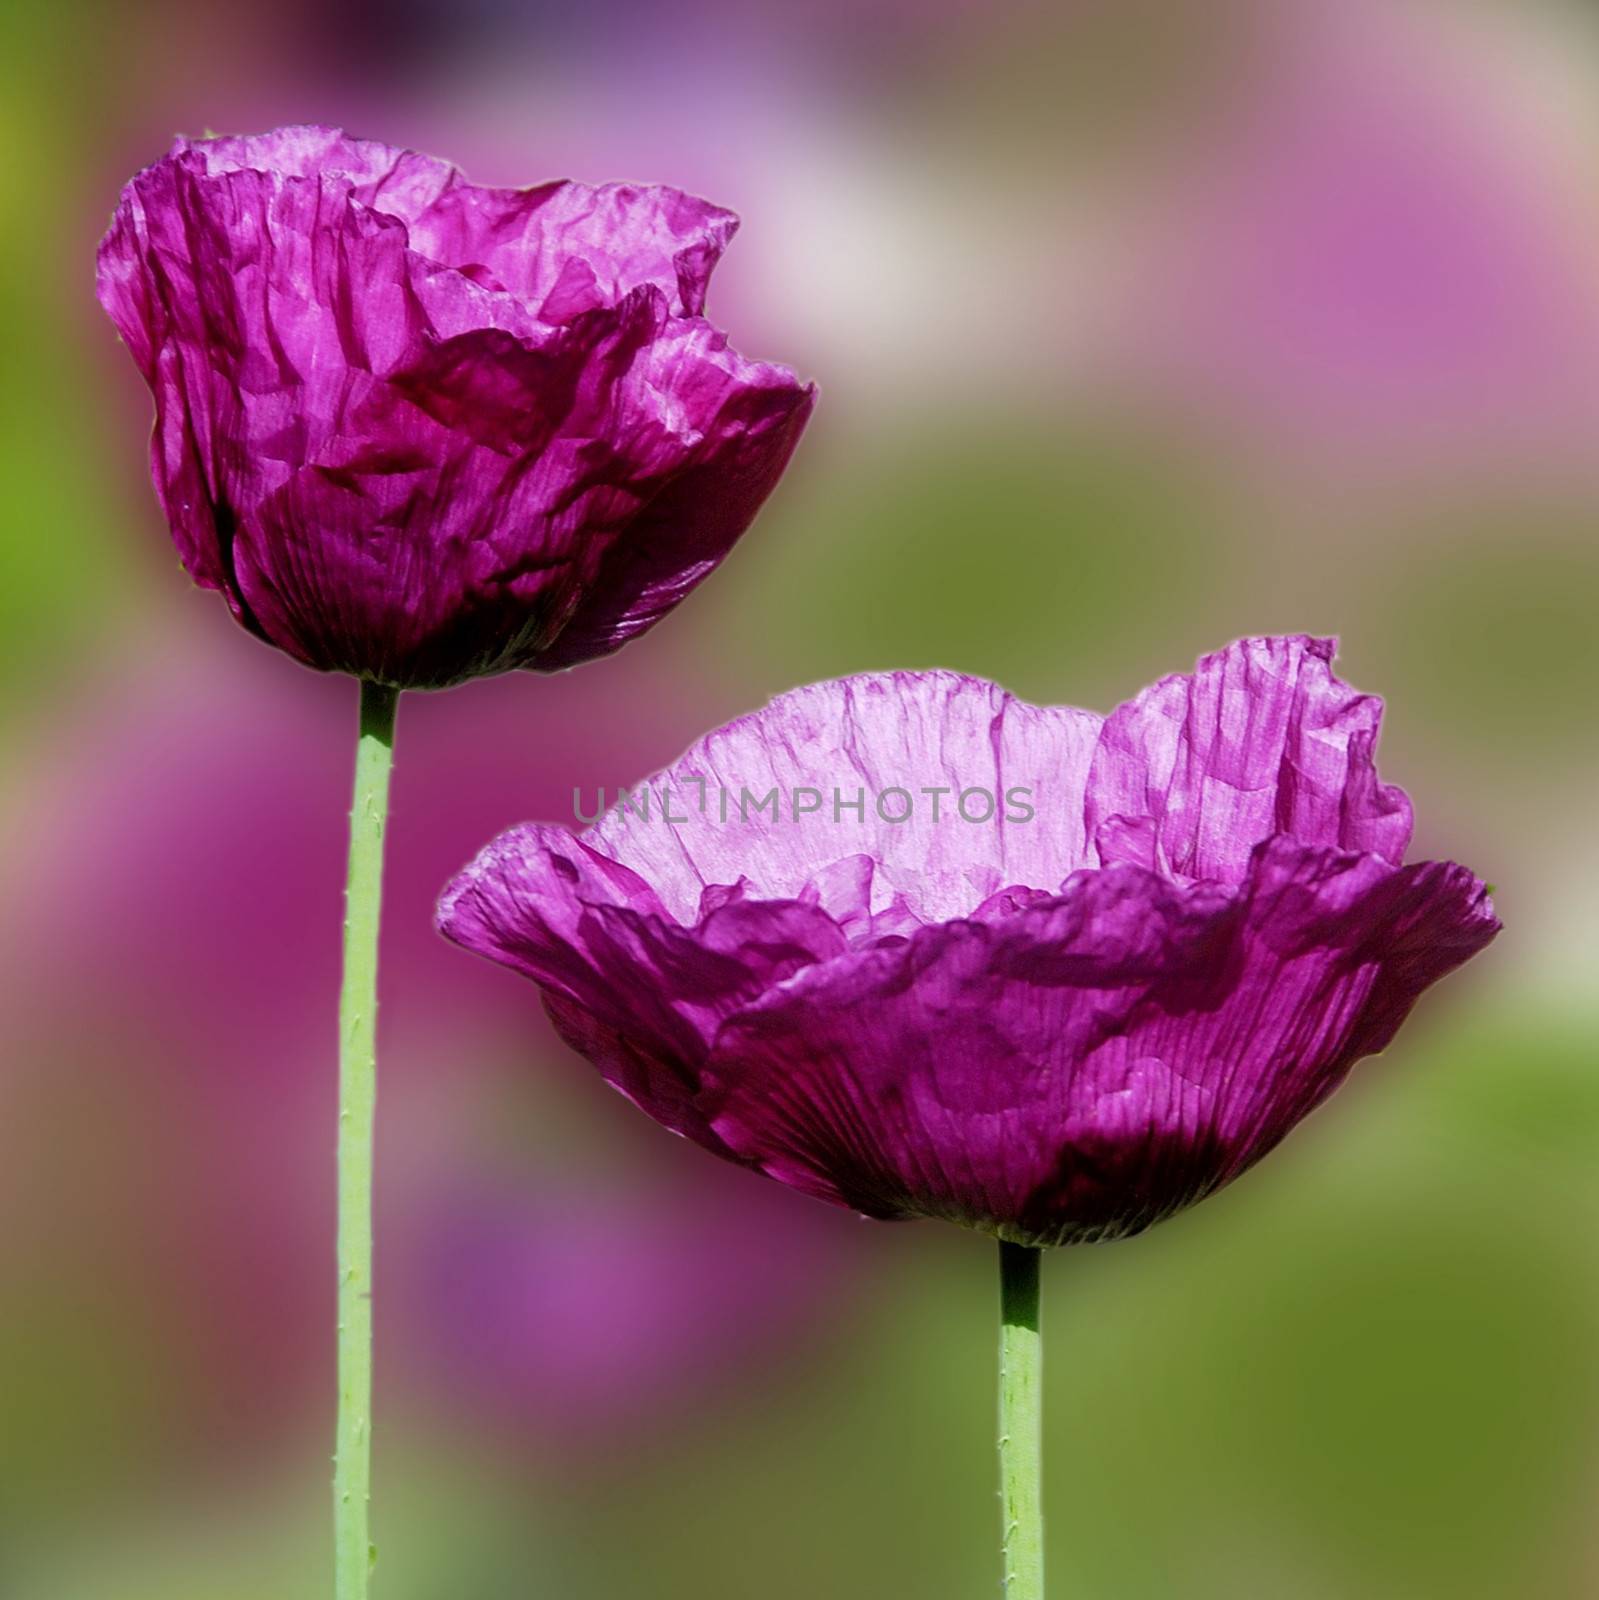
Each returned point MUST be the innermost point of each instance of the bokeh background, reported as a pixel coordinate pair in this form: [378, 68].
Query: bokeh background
[1139, 325]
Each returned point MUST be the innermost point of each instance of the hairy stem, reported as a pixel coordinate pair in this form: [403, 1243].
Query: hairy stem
[358, 1001]
[1021, 1358]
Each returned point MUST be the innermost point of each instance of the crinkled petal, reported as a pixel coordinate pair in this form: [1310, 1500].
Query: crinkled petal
[225, 290]
[563, 247]
[1080, 1069]
[727, 427]
[260, 310]
[802, 779]
[567, 248]
[554, 517]
[418, 549]
[1260, 739]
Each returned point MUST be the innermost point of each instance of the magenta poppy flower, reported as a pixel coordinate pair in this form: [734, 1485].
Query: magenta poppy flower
[419, 430]
[913, 946]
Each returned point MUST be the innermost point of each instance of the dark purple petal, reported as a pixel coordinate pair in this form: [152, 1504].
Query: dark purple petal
[1086, 1067]
[219, 289]
[442, 552]
[748, 418]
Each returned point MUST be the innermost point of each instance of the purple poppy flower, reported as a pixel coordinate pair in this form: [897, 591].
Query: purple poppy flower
[418, 430]
[1044, 973]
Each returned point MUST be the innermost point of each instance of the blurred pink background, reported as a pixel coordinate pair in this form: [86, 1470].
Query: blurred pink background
[1138, 326]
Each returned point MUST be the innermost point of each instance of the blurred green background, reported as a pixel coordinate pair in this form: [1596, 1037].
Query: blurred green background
[1138, 326]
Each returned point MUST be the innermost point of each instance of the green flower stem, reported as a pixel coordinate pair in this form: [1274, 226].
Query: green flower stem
[353, 1553]
[1021, 1362]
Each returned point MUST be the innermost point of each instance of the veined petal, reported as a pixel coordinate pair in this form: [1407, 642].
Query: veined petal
[719, 431]
[1086, 1067]
[561, 247]
[1262, 738]
[830, 752]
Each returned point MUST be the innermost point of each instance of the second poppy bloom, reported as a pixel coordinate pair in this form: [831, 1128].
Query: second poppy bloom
[1048, 974]
[417, 430]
